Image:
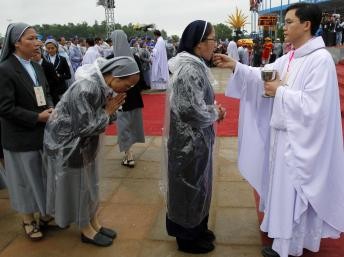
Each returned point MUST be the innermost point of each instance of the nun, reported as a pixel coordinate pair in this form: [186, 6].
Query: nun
[61, 68]
[25, 106]
[189, 138]
[129, 117]
[72, 140]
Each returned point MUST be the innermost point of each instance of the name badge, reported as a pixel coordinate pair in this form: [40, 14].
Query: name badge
[40, 96]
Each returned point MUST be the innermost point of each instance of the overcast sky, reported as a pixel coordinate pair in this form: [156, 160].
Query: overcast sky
[171, 15]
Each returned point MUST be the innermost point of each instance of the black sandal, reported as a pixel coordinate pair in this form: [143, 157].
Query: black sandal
[45, 224]
[35, 230]
[128, 163]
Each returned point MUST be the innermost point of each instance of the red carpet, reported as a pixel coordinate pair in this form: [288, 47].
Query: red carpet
[328, 247]
[154, 110]
[340, 74]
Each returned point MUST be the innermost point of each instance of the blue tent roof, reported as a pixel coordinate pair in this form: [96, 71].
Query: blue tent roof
[277, 9]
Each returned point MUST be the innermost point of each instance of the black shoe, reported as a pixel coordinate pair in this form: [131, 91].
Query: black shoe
[208, 236]
[108, 232]
[269, 252]
[194, 246]
[50, 225]
[99, 240]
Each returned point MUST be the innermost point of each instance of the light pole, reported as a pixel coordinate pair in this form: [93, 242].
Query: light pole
[281, 12]
[109, 6]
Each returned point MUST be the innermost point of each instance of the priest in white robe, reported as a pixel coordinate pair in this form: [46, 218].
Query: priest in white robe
[160, 73]
[291, 145]
[232, 50]
[92, 52]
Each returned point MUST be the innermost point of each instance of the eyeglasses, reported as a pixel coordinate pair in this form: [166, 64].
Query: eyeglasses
[288, 22]
[211, 39]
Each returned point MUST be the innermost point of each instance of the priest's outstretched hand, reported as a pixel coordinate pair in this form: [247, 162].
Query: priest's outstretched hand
[224, 61]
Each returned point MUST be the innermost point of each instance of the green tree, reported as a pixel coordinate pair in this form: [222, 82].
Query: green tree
[84, 30]
[163, 33]
[280, 34]
[129, 30]
[175, 38]
[222, 31]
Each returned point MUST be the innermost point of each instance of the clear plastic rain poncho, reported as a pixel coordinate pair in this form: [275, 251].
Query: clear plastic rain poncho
[72, 132]
[188, 140]
[71, 143]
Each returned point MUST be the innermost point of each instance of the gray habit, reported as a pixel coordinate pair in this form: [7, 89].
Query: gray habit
[25, 180]
[13, 34]
[71, 142]
[129, 123]
[130, 128]
[70, 150]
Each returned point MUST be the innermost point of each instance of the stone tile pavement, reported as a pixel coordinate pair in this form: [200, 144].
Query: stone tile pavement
[131, 202]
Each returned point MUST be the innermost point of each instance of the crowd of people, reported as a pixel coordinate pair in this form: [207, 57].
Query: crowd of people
[60, 59]
[56, 102]
[255, 52]
[331, 29]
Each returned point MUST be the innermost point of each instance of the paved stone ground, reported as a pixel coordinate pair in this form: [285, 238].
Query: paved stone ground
[131, 203]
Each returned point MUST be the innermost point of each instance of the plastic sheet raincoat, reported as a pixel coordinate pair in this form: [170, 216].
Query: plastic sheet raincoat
[71, 143]
[189, 139]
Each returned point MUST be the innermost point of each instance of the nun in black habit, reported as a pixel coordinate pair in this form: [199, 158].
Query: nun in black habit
[25, 106]
[61, 67]
[189, 138]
